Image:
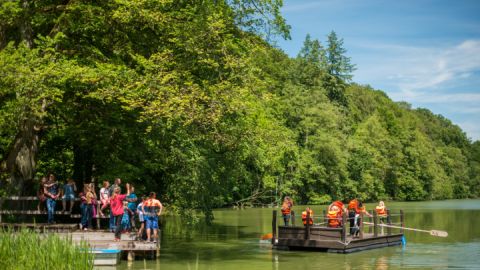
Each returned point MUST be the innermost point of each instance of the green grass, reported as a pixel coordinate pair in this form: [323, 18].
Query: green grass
[25, 249]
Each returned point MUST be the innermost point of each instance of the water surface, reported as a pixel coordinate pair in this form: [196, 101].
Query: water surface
[233, 242]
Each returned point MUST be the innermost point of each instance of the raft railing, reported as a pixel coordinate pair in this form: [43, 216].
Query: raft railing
[375, 219]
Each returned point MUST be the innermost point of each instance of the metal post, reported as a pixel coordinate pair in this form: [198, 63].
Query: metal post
[389, 229]
[292, 216]
[361, 225]
[98, 215]
[402, 220]
[274, 226]
[375, 224]
[307, 226]
[344, 223]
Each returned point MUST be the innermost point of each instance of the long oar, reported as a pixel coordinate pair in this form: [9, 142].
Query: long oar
[431, 232]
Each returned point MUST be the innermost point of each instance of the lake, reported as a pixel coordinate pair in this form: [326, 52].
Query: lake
[232, 242]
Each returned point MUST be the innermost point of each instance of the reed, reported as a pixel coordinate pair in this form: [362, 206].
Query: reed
[25, 249]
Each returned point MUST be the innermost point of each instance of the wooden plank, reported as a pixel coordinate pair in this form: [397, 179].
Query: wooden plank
[36, 212]
[33, 198]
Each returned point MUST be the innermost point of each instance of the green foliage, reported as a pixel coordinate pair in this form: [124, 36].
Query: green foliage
[185, 98]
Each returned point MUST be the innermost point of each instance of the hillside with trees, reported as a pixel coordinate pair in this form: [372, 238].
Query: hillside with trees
[189, 99]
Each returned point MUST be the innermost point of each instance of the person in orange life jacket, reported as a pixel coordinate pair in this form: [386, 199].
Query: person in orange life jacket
[355, 207]
[381, 211]
[304, 216]
[334, 216]
[287, 209]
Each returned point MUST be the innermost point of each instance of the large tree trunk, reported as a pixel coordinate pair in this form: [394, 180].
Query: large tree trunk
[22, 158]
[26, 30]
[82, 165]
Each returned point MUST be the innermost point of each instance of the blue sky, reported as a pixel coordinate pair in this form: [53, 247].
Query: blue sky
[425, 52]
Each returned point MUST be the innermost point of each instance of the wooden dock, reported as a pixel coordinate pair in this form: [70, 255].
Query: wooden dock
[128, 245]
[335, 240]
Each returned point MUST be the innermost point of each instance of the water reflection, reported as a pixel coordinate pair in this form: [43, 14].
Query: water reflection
[233, 242]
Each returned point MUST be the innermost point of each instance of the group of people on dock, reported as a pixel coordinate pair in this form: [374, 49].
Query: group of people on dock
[334, 215]
[124, 209]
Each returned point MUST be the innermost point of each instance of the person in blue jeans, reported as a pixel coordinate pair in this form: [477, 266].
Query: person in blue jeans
[51, 192]
[116, 184]
[132, 206]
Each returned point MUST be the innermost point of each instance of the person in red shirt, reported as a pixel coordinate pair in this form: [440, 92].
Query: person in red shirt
[116, 209]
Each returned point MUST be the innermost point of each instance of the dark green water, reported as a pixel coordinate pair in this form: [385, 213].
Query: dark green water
[233, 242]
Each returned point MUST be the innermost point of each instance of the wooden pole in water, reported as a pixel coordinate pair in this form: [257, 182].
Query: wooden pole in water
[389, 229]
[402, 220]
[344, 223]
[307, 226]
[274, 226]
[361, 225]
[375, 224]
[292, 214]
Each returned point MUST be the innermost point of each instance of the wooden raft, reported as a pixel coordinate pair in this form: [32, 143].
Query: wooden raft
[335, 240]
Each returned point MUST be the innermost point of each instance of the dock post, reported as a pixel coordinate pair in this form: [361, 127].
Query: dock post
[274, 226]
[292, 214]
[324, 216]
[389, 222]
[402, 220]
[344, 224]
[98, 215]
[361, 225]
[307, 226]
[375, 224]
[159, 241]
[131, 256]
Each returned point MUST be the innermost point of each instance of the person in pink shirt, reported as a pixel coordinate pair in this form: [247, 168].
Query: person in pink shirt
[116, 207]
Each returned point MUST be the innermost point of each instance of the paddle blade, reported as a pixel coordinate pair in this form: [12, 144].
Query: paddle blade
[438, 233]
[266, 236]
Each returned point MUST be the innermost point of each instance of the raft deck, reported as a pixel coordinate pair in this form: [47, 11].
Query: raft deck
[335, 240]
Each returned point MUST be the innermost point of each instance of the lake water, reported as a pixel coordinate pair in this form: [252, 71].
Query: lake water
[232, 242]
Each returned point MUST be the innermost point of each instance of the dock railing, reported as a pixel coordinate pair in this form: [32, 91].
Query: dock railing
[23, 205]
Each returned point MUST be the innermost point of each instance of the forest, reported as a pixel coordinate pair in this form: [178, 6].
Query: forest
[193, 100]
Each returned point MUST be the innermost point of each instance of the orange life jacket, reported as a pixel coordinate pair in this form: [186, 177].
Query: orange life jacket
[381, 211]
[353, 204]
[286, 208]
[304, 217]
[340, 206]
[334, 219]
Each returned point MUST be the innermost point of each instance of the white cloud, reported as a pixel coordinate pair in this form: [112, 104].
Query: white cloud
[444, 78]
[418, 69]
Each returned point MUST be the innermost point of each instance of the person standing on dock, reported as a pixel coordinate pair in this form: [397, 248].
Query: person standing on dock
[116, 184]
[152, 209]
[51, 192]
[116, 207]
[141, 218]
[287, 209]
[88, 207]
[132, 206]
